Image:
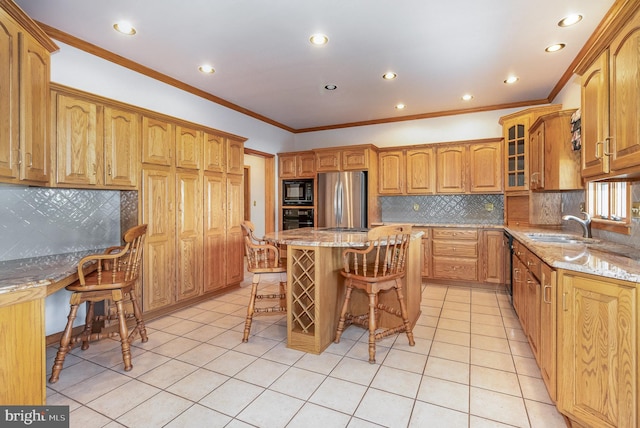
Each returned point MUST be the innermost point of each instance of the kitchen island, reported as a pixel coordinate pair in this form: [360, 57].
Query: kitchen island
[315, 288]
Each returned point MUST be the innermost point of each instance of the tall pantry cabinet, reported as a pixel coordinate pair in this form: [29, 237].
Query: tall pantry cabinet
[189, 202]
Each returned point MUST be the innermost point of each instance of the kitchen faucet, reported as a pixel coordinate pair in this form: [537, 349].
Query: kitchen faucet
[586, 223]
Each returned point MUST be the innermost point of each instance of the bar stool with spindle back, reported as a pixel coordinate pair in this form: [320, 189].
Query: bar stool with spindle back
[379, 267]
[115, 278]
[262, 258]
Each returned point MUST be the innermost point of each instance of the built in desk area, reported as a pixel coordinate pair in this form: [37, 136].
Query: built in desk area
[24, 285]
[315, 287]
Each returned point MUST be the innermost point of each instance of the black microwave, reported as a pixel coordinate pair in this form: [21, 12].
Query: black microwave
[297, 192]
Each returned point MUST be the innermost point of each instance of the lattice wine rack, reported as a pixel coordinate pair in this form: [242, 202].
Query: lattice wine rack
[303, 287]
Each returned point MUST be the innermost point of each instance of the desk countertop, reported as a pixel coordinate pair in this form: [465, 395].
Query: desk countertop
[54, 271]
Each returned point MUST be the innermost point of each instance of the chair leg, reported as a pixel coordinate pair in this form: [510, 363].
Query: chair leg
[372, 327]
[88, 326]
[283, 292]
[138, 316]
[343, 313]
[124, 336]
[405, 315]
[251, 307]
[65, 347]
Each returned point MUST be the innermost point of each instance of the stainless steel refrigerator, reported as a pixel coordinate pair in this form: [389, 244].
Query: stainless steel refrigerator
[342, 199]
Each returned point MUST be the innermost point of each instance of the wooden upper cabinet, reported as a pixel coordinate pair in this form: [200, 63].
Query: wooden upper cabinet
[328, 161]
[451, 167]
[421, 171]
[485, 167]
[77, 141]
[121, 146]
[354, 159]
[9, 100]
[554, 164]
[235, 156]
[625, 99]
[516, 162]
[157, 141]
[297, 165]
[391, 170]
[188, 147]
[34, 110]
[594, 123]
[215, 149]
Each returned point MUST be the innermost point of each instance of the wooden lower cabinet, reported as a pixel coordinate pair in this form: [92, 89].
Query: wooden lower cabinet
[158, 191]
[215, 231]
[548, 328]
[22, 352]
[189, 254]
[598, 350]
[455, 254]
[234, 242]
[463, 254]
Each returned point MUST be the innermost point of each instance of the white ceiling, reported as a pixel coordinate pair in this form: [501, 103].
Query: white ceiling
[264, 62]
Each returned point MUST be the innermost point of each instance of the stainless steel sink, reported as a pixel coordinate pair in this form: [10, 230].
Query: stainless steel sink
[558, 238]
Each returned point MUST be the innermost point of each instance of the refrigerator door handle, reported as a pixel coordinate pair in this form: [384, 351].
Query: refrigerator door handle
[335, 200]
[340, 196]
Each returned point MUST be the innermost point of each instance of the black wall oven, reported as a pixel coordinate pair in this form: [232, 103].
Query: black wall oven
[293, 218]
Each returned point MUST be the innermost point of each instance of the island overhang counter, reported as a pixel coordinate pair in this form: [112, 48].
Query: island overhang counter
[315, 288]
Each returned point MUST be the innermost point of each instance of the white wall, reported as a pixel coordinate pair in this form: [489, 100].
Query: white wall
[256, 166]
[78, 69]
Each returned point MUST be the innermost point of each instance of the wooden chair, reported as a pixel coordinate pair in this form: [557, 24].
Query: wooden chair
[115, 277]
[262, 258]
[379, 267]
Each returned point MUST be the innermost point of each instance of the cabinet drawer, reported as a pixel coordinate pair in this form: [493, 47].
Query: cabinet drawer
[455, 268]
[453, 233]
[455, 248]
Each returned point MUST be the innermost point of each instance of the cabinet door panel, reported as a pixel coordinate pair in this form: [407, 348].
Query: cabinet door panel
[159, 253]
[485, 160]
[625, 97]
[215, 221]
[421, 171]
[599, 351]
[9, 98]
[235, 216]
[451, 169]
[34, 108]
[391, 170]
[121, 145]
[157, 141]
[76, 141]
[595, 118]
[189, 235]
[215, 150]
[188, 147]
[235, 156]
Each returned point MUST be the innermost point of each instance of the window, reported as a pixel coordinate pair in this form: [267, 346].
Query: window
[608, 205]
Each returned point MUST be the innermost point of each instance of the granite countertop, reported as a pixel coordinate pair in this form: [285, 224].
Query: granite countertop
[328, 237]
[21, 274]
[592, 256]
[461, 225]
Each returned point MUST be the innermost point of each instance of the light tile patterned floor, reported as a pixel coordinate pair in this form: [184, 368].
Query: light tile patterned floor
[471, 367]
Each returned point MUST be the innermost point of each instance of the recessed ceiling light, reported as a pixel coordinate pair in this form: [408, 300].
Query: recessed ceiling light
[555, 48]
[389, 75]
[124, 27]
[318, 39]
[330, 87]
[467, 97]
[207, 69]
[570, 20]
[511, 79]
[400, 106]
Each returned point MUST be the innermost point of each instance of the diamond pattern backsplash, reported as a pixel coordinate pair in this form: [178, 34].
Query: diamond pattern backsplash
[443, 209]
[40, 221]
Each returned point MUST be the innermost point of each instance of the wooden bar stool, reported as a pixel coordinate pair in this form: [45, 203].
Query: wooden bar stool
[114, 278]
[262, 258]
[379, 267]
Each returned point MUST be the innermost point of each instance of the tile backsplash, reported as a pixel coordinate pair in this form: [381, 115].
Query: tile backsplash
[443, 209]
[41, 221]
